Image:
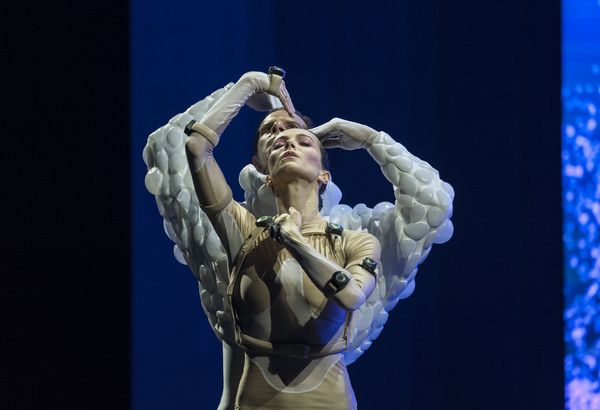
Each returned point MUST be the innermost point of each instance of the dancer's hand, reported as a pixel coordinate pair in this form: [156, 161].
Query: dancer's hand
[344, 134]
[286, 99]
[287, 227]
[259, 101]
[296, 217]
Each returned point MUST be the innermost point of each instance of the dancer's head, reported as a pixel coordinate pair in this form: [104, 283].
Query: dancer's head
[298, 154]
[276, 121]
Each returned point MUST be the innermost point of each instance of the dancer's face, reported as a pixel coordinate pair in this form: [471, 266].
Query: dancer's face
[295, 153]
[269, 129]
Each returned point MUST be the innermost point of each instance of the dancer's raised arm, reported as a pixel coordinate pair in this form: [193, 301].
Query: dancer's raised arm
[213, 192]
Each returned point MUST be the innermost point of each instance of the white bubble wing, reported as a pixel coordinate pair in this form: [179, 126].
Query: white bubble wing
[196, 243]
[406, 231]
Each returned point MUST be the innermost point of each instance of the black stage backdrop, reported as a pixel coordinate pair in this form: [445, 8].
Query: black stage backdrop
[478, 97]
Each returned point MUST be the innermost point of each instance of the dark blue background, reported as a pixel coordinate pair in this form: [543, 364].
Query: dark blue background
[471, 87]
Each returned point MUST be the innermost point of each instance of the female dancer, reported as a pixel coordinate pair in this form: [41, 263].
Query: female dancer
[294, 284]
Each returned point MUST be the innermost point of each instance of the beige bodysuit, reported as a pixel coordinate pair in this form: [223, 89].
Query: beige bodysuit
[292, 335]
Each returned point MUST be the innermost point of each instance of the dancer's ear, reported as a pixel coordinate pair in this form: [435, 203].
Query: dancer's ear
[269, 182]
[258, 166]
[324, 178]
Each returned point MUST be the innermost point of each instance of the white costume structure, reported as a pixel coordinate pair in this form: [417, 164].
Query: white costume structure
[406, 230]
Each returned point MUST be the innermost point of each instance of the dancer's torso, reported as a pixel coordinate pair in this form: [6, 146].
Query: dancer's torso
[277, 302]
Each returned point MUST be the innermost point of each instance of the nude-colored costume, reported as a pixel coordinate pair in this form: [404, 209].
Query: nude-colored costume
[292, 335]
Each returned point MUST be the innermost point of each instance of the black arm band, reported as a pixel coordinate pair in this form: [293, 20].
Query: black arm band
[369, 265]
[338, 281]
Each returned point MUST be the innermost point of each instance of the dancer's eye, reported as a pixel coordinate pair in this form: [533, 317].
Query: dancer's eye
[306, 142]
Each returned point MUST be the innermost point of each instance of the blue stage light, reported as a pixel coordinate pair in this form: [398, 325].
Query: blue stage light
[581, 201]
